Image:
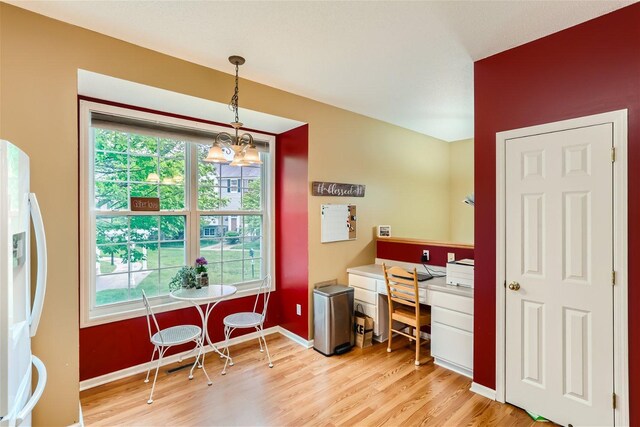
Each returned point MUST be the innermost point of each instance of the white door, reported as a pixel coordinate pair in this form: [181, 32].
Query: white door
[559, 251]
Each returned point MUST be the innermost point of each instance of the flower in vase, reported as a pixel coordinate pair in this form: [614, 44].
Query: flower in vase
[200, 265]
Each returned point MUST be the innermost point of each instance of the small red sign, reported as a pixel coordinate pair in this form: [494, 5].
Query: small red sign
[145, 203]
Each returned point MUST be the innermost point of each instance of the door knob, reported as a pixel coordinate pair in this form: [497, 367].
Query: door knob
[514, 286]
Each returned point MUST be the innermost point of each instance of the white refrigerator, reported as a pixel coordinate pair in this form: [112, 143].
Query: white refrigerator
[18, 319]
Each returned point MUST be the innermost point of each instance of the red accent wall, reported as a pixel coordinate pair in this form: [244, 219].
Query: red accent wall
[292, 269]
[412, 252]
[119, 345]
[587, 69]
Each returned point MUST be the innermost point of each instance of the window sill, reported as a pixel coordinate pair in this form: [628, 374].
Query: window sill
[166, 305]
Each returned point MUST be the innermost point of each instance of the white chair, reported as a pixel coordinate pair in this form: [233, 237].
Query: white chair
[163, 339]
[248, 320]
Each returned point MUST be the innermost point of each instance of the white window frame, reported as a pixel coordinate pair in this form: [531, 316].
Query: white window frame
[91, 315]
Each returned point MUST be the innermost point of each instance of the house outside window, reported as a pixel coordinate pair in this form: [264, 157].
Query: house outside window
[128, 153]
[232, 185]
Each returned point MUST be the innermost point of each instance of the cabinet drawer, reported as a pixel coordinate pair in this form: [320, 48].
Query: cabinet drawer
[366, 296]
[452, 302]
[382, 287]
[362, 282]
[452, 344]
[452, 318]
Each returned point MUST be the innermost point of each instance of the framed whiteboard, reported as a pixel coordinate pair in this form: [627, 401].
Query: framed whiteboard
[338, 223]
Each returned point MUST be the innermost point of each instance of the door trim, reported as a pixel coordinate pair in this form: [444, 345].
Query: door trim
[620, 235]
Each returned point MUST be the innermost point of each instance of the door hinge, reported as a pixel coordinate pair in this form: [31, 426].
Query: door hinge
[613, 154]
[613, 277]
[613, 400]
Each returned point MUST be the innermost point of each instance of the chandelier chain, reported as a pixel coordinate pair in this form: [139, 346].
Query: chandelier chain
[240, 148]
[233, 105]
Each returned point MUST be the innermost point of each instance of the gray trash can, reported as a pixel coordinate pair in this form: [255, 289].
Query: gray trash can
[333, 319]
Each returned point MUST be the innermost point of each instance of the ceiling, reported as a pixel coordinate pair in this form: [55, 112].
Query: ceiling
[407, 63]
[99, 86]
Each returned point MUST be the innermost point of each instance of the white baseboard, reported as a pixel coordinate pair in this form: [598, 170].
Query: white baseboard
[123, 373]
[483, 391]
[453, 367]
[80, 422]
[297, 338]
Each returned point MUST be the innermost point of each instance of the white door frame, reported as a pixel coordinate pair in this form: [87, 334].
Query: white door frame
[621, 348]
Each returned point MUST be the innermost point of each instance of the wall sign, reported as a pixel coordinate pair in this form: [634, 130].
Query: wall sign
[145, 204]
[337, 189]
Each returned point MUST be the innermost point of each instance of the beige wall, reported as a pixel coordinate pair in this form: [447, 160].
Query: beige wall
[406, 173]
[461, 184]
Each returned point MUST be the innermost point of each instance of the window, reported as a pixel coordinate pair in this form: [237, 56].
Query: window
[232, 185]
[217, 211]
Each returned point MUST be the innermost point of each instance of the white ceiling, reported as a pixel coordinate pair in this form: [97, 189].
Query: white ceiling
[407, 63]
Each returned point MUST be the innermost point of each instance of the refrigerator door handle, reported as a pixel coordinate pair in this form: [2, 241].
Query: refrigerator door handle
[37, 393]
[41, 250]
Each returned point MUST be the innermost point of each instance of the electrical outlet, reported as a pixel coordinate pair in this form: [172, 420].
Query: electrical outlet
[298, 309]
[451, 257]
[425, 255]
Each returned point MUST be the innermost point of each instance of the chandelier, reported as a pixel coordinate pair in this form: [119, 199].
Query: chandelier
[238, 149]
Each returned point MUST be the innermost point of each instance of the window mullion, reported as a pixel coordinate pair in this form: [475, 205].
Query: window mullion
[128, 242]
[193, 242]
[159, 222]
[265, 210]
[129, 172]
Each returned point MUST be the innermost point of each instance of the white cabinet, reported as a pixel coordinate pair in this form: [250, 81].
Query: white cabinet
[363, 282]
[452, 346]
[369, 297]
[366, 294]
[452, 331]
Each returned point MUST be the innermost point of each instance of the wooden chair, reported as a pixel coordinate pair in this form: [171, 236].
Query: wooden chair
[404, 304]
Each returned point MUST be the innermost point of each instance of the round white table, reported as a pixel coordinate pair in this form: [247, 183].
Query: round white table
[210, 295]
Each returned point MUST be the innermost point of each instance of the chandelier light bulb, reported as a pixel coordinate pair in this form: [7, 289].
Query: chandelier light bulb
[153, 177]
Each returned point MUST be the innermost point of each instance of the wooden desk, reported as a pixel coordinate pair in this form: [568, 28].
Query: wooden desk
[451, 313]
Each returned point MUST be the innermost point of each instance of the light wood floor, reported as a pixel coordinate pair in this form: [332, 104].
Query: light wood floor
[364, 387]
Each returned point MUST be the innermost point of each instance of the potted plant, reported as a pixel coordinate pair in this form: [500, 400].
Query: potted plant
[184, 278]
[201, 271]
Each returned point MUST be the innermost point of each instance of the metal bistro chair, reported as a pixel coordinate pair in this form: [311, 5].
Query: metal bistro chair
[248, 320]
[163, 339]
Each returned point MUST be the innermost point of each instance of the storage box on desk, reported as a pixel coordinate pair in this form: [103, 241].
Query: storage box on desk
[460, 273]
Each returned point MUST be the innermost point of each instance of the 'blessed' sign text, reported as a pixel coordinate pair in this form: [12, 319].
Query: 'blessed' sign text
[337, 189]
